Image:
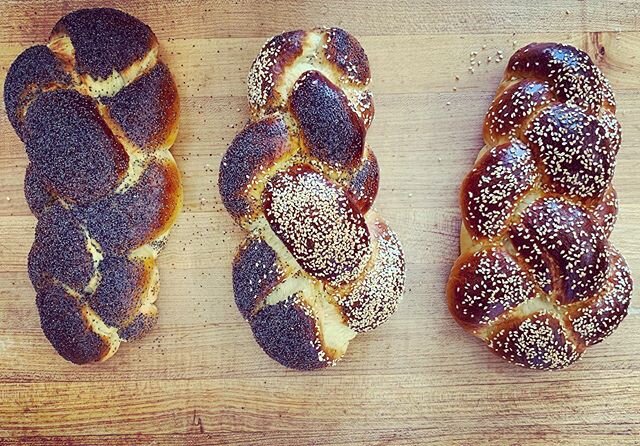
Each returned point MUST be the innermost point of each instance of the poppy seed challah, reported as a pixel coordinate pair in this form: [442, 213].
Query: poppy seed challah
[98, 113]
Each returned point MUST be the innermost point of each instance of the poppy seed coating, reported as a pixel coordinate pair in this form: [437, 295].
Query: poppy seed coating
[287, 332]
[331, 131]
[33, 70]
[147, 109]
[105, 40]
[98, 113]
[63, 324]
[69, 144]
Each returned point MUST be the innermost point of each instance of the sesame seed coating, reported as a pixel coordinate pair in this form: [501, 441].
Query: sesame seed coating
[98, 113]
[606, 211]
[574, 251]
[487, 284]
[571, 73]
[376, 297]
[601, 315]
[510, 111]
[538, 342]
[577, 150]
[494, 187]
[276, 54]
[537, 279]
[318, 265]
[318, 223]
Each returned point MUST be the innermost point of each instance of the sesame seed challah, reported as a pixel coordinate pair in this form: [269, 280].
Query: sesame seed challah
[318, 265]
[537, 278]
[98, 113]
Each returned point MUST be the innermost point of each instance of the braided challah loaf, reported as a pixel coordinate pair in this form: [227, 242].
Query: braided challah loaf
[537, 279]
[318, 265]
[98, 113]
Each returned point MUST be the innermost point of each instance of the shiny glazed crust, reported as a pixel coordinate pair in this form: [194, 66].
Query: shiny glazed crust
[318, 265]
[537, 278]
[98, 113]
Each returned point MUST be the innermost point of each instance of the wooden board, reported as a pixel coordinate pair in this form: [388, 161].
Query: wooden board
[199, 378]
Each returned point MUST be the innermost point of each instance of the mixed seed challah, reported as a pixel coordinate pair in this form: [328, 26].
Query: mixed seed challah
[319, 265]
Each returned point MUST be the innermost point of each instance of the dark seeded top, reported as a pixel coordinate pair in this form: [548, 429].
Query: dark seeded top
[331, 131]
[120, 290]
[140, 325]
[487, 283]
[576, 250]
[59, 251]
[33, 69]
[345, 51]
[64, 327]
[255, 274]
[147, 109]
[363, 185]
[36, 190]
[287, 334]
[105, 39]
[514, 107]
[600, 317]
[70, 145]
[122, 222]
[259, 144]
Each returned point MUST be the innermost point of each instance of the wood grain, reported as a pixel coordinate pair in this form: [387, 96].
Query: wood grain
[199, 378]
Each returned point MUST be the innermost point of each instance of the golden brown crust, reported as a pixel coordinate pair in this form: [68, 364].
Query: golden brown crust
[537, 279]
[98, 113]
[319, 265]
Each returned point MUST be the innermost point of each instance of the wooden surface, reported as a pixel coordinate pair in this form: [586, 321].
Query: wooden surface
[199, 378]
